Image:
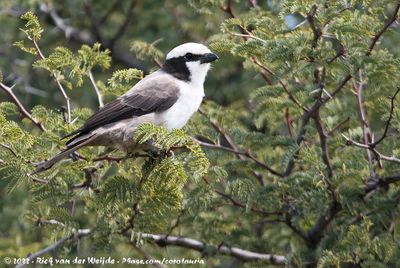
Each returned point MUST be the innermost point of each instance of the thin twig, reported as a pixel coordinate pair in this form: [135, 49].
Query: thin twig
[338, 126]
[238, 204]
[249, 36]
[383, 30]
[284, 86]
[9, 148]
[231, 144]
[96, 89]
[379, 155]
[384, 135]
[64, 94]
[23, 111]
[237, 152]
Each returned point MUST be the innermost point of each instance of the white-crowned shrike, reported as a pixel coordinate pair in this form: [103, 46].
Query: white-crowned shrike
[167, 97]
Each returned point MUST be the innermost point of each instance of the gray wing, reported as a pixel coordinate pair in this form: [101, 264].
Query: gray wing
[155, 93]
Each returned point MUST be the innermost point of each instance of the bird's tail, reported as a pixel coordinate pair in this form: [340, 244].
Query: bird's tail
[69, 150]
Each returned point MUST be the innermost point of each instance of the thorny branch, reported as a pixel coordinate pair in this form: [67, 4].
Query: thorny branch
[23, 111]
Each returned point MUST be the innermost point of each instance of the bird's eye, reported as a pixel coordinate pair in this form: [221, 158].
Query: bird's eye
[189, 56]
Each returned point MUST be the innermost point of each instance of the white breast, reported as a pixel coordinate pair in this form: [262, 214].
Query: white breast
[188, 102]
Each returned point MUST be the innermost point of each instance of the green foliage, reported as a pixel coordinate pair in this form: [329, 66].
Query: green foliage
[145, 50]
[32, 29]
[121, 80]
[63, 63]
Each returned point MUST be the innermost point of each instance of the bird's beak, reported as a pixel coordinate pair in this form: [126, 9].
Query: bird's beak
[209, 57]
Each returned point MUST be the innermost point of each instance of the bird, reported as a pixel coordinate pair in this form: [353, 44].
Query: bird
[167, 97]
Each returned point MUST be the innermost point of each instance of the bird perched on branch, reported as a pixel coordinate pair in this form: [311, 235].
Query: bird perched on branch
[167, 97]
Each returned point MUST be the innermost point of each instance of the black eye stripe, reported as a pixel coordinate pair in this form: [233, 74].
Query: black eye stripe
[192, 57]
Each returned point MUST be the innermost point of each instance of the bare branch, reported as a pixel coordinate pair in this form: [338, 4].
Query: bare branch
[364, 121]
[9, 148]
[379, 155]
[23, 111]
[249, 36]
[96, 89]
[80, 233]
[237, 152]
[238, 204]
[384, 29]
[316, 31]
[384, 135]
[244, 255]
[338, 126]
[284, 86]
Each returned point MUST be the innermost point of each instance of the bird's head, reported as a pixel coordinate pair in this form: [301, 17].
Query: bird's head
[189, 62]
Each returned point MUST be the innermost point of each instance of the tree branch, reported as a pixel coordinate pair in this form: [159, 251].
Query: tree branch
[315, 234]
[65, 96]
[80, 233]
[384, 135]
[378, 155]
[364, 121]
[9, 148]
[323, 144]
[237, 152]
[383, 30]
[231, 144]
[23, 111]
[96, 89]
[381, 182]
[244, 255]
[238, 204]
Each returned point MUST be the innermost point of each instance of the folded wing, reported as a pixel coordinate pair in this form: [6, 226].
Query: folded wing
[156, 93]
